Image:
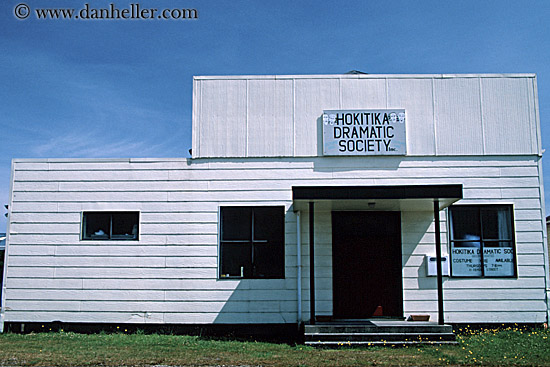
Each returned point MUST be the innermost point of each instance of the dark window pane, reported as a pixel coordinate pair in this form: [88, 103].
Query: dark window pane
[110, 225]
[470, 241]
[125, 225]
[269, 260]
[496, 243]
[465, 223]
[269, 223]
[236, 223]
[496, 223]
[236, 260]
[252, 242]
[97, 226]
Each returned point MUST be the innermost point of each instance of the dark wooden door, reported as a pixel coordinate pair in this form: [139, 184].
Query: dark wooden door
[366, 255]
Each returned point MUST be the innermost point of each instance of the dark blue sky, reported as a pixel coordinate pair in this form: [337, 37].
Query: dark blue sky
[106, 88]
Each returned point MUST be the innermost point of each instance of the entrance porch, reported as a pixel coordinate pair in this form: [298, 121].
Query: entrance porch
[367, 253]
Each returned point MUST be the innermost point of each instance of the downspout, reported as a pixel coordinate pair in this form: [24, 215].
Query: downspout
[6, 250]
[537, 148]
[311, 263]
[299, 266]
[545, 242]
[440, 310]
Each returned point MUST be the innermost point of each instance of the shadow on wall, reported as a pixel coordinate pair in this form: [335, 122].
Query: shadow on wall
[260, 301]
[260, 289]
[418, 241]
[262, 309]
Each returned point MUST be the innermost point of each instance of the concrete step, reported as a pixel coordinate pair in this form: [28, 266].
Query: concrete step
[379, 336]
[336, 344]
[372, 333]
[343, 328]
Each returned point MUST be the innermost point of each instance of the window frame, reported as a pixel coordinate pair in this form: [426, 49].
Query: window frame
[480, 209]
[251, 241]
[83, 225]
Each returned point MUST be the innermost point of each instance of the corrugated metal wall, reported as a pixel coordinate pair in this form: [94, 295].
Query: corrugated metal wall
[280, 116]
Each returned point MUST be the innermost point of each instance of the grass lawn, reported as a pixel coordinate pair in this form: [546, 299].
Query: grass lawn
[508, 347]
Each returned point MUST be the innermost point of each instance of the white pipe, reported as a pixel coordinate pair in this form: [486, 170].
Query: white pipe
[299, 265]
[544, 241]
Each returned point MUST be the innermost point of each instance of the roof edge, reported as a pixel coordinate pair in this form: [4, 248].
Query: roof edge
[363, 76]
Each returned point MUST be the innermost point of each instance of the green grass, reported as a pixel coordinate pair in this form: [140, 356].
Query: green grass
[508, 347]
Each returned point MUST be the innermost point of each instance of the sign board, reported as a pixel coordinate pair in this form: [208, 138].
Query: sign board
[498, 261]
[466, 261]
[364, 132]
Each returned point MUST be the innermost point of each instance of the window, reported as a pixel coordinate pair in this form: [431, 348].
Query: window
[110, 225]
[252, 242]
[482, 234]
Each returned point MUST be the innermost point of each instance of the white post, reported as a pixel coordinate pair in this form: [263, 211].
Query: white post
[299, 265]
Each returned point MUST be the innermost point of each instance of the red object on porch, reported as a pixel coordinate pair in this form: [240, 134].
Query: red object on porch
[378, 311]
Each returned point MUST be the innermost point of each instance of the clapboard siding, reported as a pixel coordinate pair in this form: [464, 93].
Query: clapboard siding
[477, 294]
[59, 261]
[160, 307]
[476, 305]
[72, 239]
[170, 274]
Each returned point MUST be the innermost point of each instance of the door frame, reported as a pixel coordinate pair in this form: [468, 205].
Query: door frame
[395, 295]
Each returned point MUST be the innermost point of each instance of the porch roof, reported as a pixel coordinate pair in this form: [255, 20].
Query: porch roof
[395, 197]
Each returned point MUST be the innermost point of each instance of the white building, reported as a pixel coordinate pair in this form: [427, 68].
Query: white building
[348, 166]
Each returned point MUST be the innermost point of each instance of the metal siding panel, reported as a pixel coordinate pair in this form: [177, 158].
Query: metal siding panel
[533, 122]
[195, 121]
[363, 94]
[275, 126]
[312, 97]
[506, 116]
[223, 118]
[416, 97]
[537, 138]
[458, 116]
[270, 118]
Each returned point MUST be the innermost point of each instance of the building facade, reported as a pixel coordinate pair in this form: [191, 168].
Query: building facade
[305, 197]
